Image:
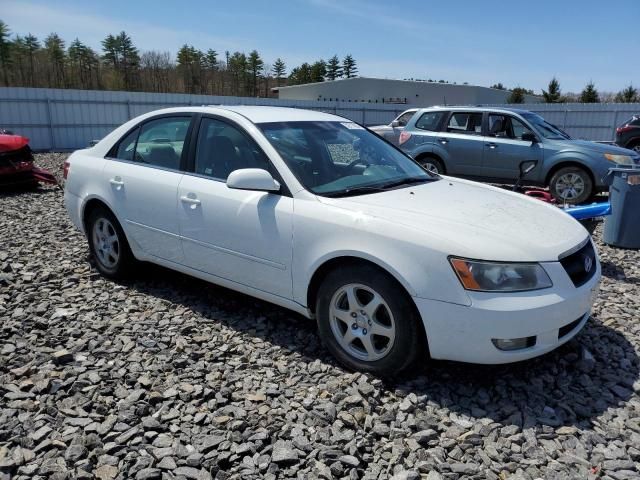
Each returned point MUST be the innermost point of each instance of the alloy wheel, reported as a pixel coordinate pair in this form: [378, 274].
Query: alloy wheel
[362, 322]
[570, 186]
[431, 167]
[106, 243]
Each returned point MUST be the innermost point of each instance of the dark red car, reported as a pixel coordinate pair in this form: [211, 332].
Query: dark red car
[16, 163]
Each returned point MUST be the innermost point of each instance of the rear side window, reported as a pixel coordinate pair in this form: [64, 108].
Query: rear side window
[429, 121]
[635, 121]
[404, 118]
[161, 141]
[465, 123]
[127, 146]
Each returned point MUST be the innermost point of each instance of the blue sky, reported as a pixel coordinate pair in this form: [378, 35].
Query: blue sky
[516, 43]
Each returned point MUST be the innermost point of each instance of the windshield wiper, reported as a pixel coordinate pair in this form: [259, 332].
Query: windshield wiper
[355, 191]
[407, 181]
[378, 188]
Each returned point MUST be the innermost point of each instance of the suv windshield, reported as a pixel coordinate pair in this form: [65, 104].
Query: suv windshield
[546, 129]
[341, 158]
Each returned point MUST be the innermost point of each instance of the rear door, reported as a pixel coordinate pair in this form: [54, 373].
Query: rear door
[238, 235]
[504, 148]
[462, 142]
[143, 173]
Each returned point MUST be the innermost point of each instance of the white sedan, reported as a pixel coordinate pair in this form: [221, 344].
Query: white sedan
[313, 212]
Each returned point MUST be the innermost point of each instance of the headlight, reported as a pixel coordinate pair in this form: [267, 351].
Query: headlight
[484, 276]
[619, 159]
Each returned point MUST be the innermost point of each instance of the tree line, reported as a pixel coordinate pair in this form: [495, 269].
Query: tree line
[27, 61]
[589, 94]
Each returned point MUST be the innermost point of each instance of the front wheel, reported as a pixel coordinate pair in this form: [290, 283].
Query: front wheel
[367, 321]
[571, 185]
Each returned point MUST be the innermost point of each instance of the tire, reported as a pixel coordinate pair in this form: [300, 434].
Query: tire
[108, 244]
[432, 164]
[635, 146]
[571, 185]
[400, 341]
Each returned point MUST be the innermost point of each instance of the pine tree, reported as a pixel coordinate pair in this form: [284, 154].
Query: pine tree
[349, 67]
[497, 86]
[334, 69]
[318, 71]
[589, 94]
[628, 95]
[517, 95]
[54, 48]
[553, 94]
[279, 70]
[5, 52]
[255, 65]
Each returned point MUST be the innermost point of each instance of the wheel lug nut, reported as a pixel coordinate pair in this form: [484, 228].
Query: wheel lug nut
[354, 314]
[364, 331]
[354, 326]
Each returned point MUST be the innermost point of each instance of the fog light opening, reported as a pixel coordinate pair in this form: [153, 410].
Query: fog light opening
[510, 344]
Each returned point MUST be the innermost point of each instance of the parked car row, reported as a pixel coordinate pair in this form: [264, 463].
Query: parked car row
[317, 214]
[489, 144]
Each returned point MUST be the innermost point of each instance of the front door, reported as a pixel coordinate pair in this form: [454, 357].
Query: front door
[143, 176]
[242, 236]
[504, 148]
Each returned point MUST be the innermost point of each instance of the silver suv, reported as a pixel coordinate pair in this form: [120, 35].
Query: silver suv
[490, 143]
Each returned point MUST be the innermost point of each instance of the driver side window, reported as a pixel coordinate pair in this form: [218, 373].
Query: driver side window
[404, 119]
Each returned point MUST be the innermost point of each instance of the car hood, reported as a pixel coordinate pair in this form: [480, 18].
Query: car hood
[594, 147]
[472, 220]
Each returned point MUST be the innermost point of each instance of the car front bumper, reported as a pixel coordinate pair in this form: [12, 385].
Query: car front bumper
[552, 316]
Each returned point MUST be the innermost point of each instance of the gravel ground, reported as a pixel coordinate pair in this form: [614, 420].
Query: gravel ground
[170, 377]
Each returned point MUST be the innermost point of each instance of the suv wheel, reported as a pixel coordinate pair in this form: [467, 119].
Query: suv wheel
[635, 147]
[432, 165]
[366, 322]
[571, 185]
[108, 244]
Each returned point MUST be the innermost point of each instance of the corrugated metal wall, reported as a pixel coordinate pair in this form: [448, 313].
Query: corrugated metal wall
[58, 119]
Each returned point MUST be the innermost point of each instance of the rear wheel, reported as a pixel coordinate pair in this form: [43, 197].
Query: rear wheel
[571, 185]
[108, 244]
[431, 164]
[367, 321]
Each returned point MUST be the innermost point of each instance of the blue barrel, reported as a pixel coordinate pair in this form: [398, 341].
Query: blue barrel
[622, 227]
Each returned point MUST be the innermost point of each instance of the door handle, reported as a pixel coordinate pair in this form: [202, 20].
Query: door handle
[191, 200]
[443, 141]
[491, 145]
[117, 182]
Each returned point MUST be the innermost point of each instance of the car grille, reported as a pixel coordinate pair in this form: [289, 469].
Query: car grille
[580, 265]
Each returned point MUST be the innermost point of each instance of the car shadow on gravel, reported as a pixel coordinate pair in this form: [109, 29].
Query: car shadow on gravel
[570, 386]
[616, 272]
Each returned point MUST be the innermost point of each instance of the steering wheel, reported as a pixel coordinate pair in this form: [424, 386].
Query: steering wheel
[351, 166]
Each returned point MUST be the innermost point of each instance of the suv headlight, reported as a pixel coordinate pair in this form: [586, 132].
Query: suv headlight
[619, 159]
[482, 276]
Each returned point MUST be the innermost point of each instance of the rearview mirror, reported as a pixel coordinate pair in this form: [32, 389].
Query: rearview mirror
[395, 124]
[529, 137]
[252, 179]
[527, 166]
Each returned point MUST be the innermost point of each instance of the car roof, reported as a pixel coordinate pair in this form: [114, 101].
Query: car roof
[260, 114]
[463, 108]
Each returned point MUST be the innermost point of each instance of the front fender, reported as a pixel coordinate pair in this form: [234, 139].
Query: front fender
[324, 232]
[597, 167]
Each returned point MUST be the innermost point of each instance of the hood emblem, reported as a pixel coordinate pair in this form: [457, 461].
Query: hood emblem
[588, 264]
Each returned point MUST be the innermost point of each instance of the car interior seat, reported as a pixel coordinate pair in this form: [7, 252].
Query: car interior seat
[163, 155]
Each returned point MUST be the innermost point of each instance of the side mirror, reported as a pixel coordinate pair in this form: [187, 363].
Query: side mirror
[395, 124]
[529, 137]
[252, 179]
[527, 166]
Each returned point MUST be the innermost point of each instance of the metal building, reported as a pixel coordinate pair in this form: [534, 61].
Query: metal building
[409, 92]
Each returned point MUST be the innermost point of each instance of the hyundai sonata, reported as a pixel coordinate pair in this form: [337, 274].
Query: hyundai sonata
[315, 213]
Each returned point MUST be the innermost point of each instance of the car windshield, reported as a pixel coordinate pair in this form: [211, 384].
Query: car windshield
[342, 158]
[546, 129]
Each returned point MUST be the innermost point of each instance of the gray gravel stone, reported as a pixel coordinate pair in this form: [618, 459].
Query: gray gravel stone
[167, 375]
